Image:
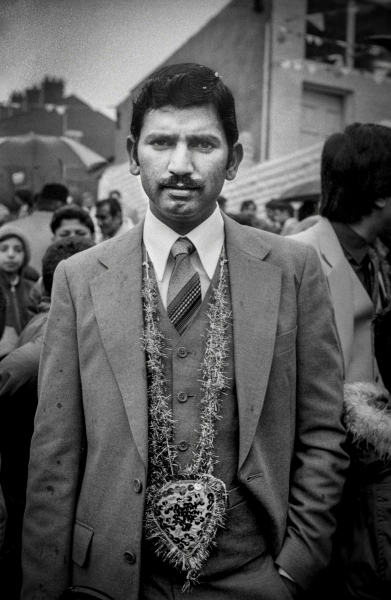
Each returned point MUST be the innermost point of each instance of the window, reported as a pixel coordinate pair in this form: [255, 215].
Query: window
[351, 34]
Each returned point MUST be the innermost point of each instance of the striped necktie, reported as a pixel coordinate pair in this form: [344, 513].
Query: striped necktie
[184, 288]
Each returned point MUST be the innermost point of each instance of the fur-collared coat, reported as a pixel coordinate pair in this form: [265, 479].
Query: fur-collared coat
[364, 544]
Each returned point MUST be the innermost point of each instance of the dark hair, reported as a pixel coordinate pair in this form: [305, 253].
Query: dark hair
[114, 205]
[355, 171]
[246, 204]
[59, 251]
[71, 211]
[284, 206]
[25, 195]
[185, 85]
[221, 201]
[52, 196]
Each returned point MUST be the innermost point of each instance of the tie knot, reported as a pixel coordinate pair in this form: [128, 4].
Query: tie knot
[182, 246]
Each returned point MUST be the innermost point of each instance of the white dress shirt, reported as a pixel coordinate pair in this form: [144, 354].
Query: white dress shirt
[208, 239]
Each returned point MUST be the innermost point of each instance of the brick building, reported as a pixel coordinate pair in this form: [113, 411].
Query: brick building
[46, 110]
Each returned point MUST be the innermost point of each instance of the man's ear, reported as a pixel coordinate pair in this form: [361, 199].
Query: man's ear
[234, 161]
[131, 147]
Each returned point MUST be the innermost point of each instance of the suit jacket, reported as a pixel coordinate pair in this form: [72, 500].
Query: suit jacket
[84, 517]
[353, 307]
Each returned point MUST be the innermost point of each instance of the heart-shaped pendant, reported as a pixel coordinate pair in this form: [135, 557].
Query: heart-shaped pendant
[184, 516]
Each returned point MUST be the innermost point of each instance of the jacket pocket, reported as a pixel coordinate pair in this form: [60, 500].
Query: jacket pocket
[285, 342]
[82, 536]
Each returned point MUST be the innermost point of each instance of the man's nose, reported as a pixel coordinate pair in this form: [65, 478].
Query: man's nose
[181, 160]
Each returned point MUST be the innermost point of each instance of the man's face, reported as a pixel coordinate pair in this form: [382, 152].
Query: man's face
[182, 158]
[87, 200]
[70, 228]
[251, 209]
[108, 224]
[280, 216]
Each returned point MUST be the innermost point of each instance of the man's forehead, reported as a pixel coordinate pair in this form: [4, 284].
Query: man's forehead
[198, 118]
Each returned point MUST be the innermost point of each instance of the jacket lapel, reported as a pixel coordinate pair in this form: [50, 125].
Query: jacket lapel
[116, 295]
[255, 294]
[338, 273]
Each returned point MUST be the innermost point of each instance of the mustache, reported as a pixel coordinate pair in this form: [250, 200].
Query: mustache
[182, 181]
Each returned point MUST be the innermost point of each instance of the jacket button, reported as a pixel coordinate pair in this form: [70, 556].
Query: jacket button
[183, 446]
[182, 352]
[182, 396]
[137, 485]
[130, 557]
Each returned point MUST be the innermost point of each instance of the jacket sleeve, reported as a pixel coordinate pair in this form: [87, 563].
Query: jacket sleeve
[319, 461]
[55, 456]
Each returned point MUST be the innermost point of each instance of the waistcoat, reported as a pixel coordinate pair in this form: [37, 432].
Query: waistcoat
[241, 538]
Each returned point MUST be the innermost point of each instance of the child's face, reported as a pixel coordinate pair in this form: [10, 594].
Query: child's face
[11, 255]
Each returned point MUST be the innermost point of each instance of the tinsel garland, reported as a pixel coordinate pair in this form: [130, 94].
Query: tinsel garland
[166, 476]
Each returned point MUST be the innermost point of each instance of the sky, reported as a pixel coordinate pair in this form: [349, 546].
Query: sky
[102, 48]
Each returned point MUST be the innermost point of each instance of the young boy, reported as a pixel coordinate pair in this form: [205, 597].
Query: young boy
[14, 256]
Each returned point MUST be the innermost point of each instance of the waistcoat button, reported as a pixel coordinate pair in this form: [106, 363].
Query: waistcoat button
[182, 352]
[137, 485]
[182, 396]
[130, 557]
[183, 446]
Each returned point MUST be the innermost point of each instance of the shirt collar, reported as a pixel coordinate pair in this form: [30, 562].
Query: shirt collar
[352, 242]
[208, 239]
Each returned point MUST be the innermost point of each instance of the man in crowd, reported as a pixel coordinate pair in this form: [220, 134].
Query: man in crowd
[36, 227]
[181, 387]
[284, 217]
[111, 219]
[356, 210]
[70, 221]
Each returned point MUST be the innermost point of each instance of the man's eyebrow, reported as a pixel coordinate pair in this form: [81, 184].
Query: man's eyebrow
[194, 137]
[160, 135]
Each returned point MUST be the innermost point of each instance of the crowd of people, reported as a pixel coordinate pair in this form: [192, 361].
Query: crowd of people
[40, 233]
[200, 402]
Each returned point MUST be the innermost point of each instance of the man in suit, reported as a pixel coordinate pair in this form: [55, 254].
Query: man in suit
[181, 387]
[355, 211]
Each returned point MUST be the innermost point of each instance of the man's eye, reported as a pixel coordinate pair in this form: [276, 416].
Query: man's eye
[204, 145]
[161, 143]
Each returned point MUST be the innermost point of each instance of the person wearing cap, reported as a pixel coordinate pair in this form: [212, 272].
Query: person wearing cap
[14, 257]
[36, 227]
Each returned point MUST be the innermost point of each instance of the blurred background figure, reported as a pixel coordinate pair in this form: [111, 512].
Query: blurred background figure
[116, 194]
[18, 402]
[248, 208]
[283, 215]
[222, 202]
[110, 218]
[24, 199]
[88, 202]
[36, 226]
[248, 216]
[14, 257]
[71, 220]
